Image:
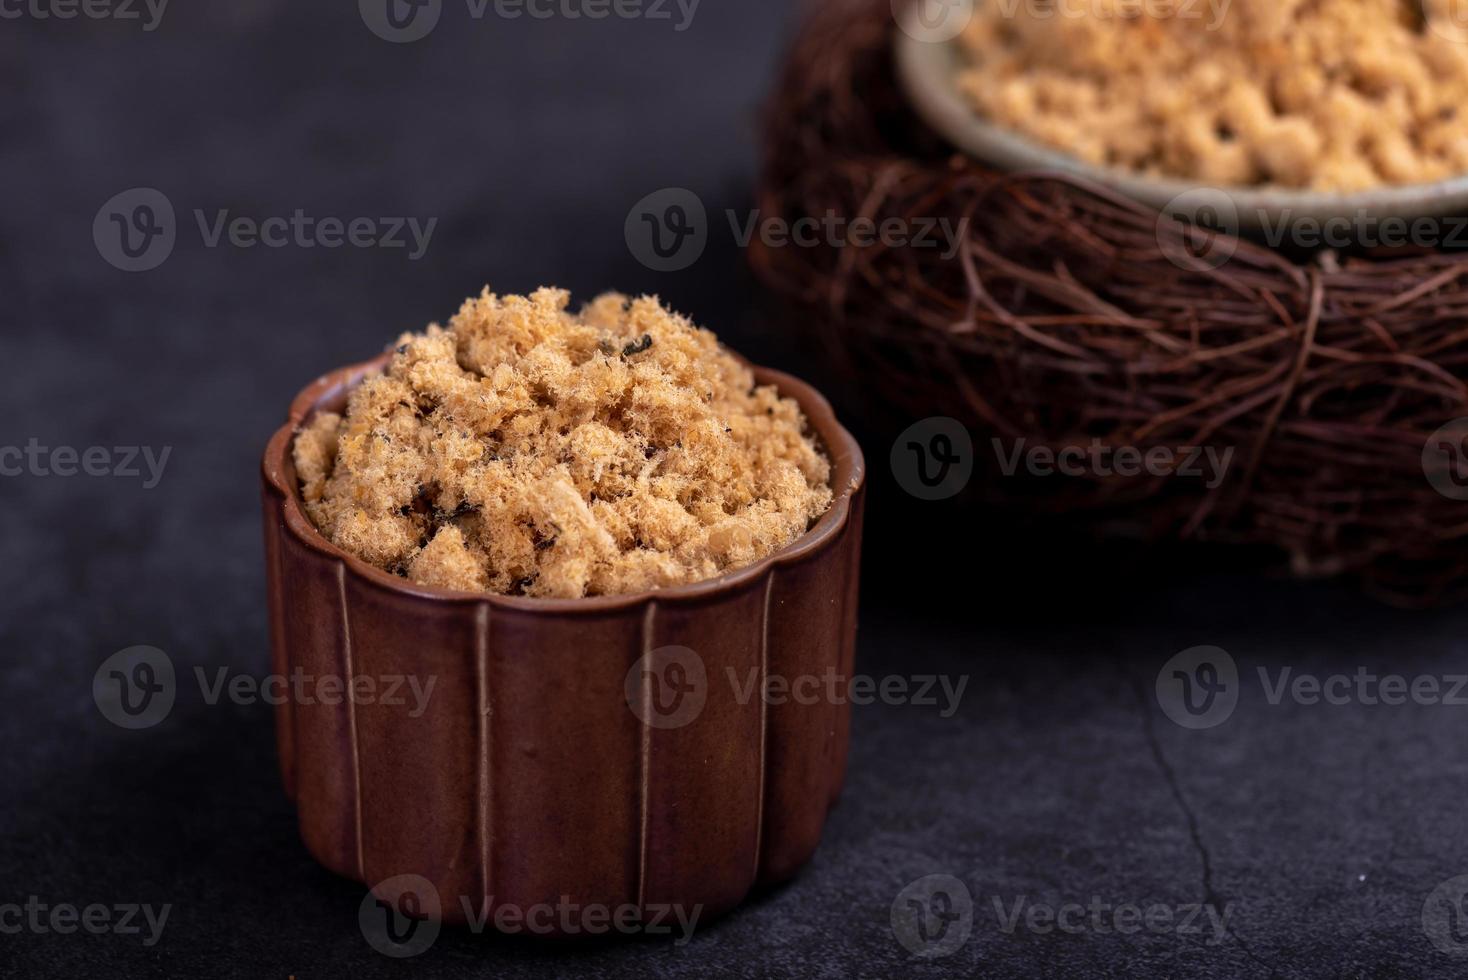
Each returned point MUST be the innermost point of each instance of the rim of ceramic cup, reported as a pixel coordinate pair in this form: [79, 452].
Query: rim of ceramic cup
[848, 474]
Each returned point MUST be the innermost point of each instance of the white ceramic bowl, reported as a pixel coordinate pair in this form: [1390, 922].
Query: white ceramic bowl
[927, 71]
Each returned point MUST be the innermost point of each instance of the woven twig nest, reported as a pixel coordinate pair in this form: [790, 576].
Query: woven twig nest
[1068, 319]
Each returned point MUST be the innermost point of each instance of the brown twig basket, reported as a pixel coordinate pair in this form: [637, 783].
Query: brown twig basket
[1067, 318]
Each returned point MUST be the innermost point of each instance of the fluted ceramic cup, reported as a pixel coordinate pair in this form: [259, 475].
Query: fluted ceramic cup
[606, 752]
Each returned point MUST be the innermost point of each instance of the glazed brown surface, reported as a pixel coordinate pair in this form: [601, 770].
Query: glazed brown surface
[532, 773]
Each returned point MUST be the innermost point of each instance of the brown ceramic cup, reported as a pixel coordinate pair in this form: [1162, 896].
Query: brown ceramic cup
[607, 752]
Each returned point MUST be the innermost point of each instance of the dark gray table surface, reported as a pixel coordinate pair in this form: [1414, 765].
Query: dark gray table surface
[1322, 829]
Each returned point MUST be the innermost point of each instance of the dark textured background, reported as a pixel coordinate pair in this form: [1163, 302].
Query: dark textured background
[1058, 780]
